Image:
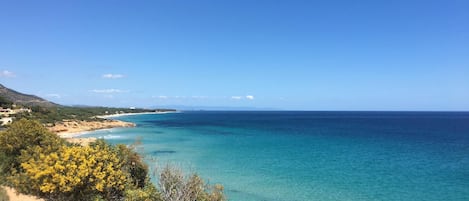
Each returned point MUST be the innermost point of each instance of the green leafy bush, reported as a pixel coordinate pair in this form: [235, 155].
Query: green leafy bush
[24, 135]
[3, 195]
[51, 115]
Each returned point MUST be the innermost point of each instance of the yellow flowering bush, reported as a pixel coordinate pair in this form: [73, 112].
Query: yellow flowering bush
[37, 162]
[75, 170]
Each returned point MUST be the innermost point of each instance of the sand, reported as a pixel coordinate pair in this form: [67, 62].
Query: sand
[19, 197]
[72, 128]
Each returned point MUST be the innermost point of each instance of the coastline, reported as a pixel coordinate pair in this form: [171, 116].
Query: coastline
[70, 129]
[74, 128]
[130, 114]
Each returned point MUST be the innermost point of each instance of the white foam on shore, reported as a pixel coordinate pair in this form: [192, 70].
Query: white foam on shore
[82, 133]
[111, 136]
[129, 114]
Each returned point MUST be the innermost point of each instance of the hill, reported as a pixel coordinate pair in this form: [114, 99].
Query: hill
[23, 99]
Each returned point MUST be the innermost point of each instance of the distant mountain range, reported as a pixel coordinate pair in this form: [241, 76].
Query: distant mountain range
[215, 108]
[24, 99]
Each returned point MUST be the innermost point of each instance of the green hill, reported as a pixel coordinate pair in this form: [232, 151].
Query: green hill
[10, 95]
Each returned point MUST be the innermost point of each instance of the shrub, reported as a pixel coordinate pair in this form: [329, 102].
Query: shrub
[3, 195]
[175, 186]
[147, 193]
[74, 173]
[133, 164]
[5, 166]
[35, 161]
[23, 134]
[22, 138]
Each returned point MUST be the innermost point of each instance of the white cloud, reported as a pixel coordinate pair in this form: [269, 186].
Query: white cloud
[108, 91]
[112, 76]
[248, 97]
[53, 96]
[182, 97]
[199, 97]
[6, 73]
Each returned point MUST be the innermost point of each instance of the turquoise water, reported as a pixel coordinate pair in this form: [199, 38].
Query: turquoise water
[305, 156]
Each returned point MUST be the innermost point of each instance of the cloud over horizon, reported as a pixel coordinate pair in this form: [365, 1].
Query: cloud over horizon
[161, 97]
[112, 76]
[181, 97]
[108, 91]
[247, 97]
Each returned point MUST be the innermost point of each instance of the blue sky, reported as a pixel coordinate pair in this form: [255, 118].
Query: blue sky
[297, 55]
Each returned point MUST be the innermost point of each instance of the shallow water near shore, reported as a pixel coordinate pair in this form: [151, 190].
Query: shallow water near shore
[303, 156]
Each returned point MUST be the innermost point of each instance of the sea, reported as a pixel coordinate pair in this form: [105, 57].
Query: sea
[309, 156]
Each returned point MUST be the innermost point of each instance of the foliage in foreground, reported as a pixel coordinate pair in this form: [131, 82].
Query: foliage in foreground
[175, 186]
[74, 172]
[21, 137]
[37, 162]
[3, 195]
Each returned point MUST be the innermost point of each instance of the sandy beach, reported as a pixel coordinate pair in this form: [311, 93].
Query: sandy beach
[73, 128]
[70, 129]
[129, 114]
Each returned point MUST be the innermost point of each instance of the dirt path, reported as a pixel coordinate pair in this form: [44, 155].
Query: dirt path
[19, 197]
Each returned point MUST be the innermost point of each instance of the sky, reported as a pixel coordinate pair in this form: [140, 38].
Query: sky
[264, 54]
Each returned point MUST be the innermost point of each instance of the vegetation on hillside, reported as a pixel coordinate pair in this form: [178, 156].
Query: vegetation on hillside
[47, 112]
[51, 115]
[5, 103]
[24, 99]
[37, 162]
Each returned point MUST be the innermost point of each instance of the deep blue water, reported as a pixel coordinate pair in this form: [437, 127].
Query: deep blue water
[303, 156]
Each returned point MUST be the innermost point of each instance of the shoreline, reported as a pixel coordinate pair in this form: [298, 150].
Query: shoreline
[71, 129]
[130, 114]
[74, 128]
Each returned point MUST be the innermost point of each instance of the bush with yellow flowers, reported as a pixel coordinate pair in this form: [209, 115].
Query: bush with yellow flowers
[75, 172]
[37, 162]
